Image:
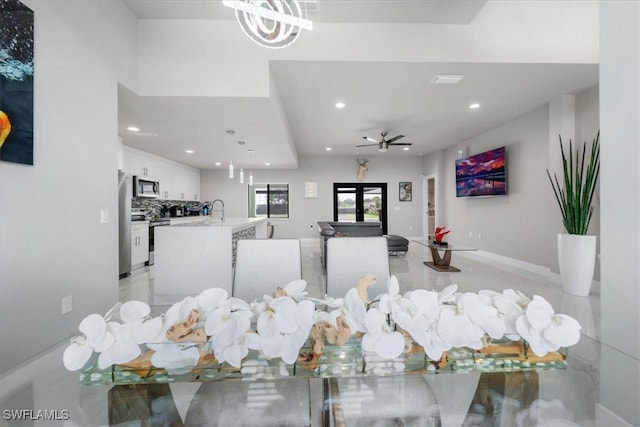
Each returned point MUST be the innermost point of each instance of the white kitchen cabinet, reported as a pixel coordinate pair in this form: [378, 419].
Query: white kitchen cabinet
[177, 181]
[193, 184]
[139, 243]
[137, 163]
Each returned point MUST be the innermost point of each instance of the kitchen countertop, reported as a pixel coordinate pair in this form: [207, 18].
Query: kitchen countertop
[234, 223]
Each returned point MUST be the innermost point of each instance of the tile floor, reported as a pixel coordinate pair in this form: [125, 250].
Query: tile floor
[476, 273]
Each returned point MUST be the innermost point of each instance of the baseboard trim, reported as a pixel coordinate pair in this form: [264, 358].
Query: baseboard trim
[512, 262]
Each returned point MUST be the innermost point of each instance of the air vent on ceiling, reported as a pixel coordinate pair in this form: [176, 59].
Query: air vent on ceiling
[447, 79]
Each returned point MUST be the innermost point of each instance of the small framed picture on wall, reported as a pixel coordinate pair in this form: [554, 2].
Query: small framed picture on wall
[405, 191]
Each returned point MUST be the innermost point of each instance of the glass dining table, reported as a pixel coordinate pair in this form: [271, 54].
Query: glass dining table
[598, 387]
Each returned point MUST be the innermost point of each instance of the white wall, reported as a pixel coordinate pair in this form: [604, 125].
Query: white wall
[519, 225]
[620, 212]
[524, 223]
[404, 218]
[52, 243]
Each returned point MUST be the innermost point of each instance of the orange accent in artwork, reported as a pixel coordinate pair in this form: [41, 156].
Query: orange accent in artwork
[5, 127]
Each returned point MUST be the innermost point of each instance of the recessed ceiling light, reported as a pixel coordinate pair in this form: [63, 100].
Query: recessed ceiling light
[251, 151]
[447, 79]
[474, 106]
[267, 164]
[340, 105]
[188, 151]
[218, 164]
[405, 148]
[328, 148]
[133, 129]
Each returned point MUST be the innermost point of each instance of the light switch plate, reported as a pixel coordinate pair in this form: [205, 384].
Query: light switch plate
[104, 216]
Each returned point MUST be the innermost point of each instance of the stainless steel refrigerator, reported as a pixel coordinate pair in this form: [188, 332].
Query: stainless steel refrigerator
[125, 191]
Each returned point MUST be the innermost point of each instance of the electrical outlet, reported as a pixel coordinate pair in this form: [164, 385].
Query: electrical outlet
[471, 234]
[67, 304]
[479, 236]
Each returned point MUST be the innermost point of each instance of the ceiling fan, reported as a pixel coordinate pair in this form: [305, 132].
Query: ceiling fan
[383, 144]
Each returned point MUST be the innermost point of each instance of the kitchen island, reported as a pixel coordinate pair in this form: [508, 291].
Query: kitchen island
[198, 255]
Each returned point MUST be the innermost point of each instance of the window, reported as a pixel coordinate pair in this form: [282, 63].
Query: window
[269, 200]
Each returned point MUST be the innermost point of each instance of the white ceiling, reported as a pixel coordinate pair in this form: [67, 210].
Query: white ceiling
[381, 96]
[417, 11]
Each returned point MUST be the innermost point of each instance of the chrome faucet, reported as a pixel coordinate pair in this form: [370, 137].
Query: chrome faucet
[221, 210]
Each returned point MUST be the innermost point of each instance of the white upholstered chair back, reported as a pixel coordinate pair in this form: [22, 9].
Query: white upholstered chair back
[264, 264]
[349, 258]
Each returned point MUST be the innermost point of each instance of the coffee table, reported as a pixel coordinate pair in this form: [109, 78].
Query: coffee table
[441, 263]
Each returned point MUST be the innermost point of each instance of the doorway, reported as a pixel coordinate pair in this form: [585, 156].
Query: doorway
[430, 217]
[360, 202]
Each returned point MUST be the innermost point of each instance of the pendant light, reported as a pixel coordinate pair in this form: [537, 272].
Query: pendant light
[230, 170]
[241, 176]
[250, 178]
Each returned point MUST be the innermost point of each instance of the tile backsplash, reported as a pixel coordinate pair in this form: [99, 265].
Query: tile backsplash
[154, 207]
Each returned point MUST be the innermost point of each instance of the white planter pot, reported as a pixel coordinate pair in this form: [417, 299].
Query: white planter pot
[577, 257]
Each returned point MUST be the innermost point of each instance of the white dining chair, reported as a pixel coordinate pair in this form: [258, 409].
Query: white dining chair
[349, 258]
[264, 264]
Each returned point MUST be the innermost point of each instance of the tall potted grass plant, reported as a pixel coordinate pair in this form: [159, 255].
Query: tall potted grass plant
[575, 197]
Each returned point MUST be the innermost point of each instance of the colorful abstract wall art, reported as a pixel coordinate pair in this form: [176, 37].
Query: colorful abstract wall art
[482, 174]
[16, 82]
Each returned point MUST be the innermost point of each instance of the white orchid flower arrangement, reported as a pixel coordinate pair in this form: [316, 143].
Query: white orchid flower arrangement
[215, 328]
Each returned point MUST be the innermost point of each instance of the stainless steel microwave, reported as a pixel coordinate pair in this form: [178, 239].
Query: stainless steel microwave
[143, 186]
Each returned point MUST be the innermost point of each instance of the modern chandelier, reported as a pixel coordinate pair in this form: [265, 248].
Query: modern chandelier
[270, 23]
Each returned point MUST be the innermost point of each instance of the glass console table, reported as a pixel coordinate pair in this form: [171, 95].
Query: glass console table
[441, 263]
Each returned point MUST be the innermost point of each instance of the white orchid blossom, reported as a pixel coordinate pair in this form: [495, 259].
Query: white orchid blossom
[328, 301]
[210, 299]
[438, 321]
[180, 311]
[138, 326]
[294, 289]
[239, 349]
[353, 310]
[457, 329]
[176, 358]
[389, 301]
[284, 327]
[418, 312]
[480, 310]
[228, 331]
[380, 336]
[94, 337]
[448, 294]
[544, 330]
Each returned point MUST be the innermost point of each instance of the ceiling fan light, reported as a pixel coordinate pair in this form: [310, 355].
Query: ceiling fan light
[383, 149]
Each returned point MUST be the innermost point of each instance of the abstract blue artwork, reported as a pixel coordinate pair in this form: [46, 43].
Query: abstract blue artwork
[16, 82]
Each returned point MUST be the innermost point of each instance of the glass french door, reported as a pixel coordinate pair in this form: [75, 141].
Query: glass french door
[360, 202]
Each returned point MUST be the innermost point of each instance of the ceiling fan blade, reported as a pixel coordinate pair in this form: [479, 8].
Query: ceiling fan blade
[395, 138]
[367, 145]
[401, 143]
[371, 139]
